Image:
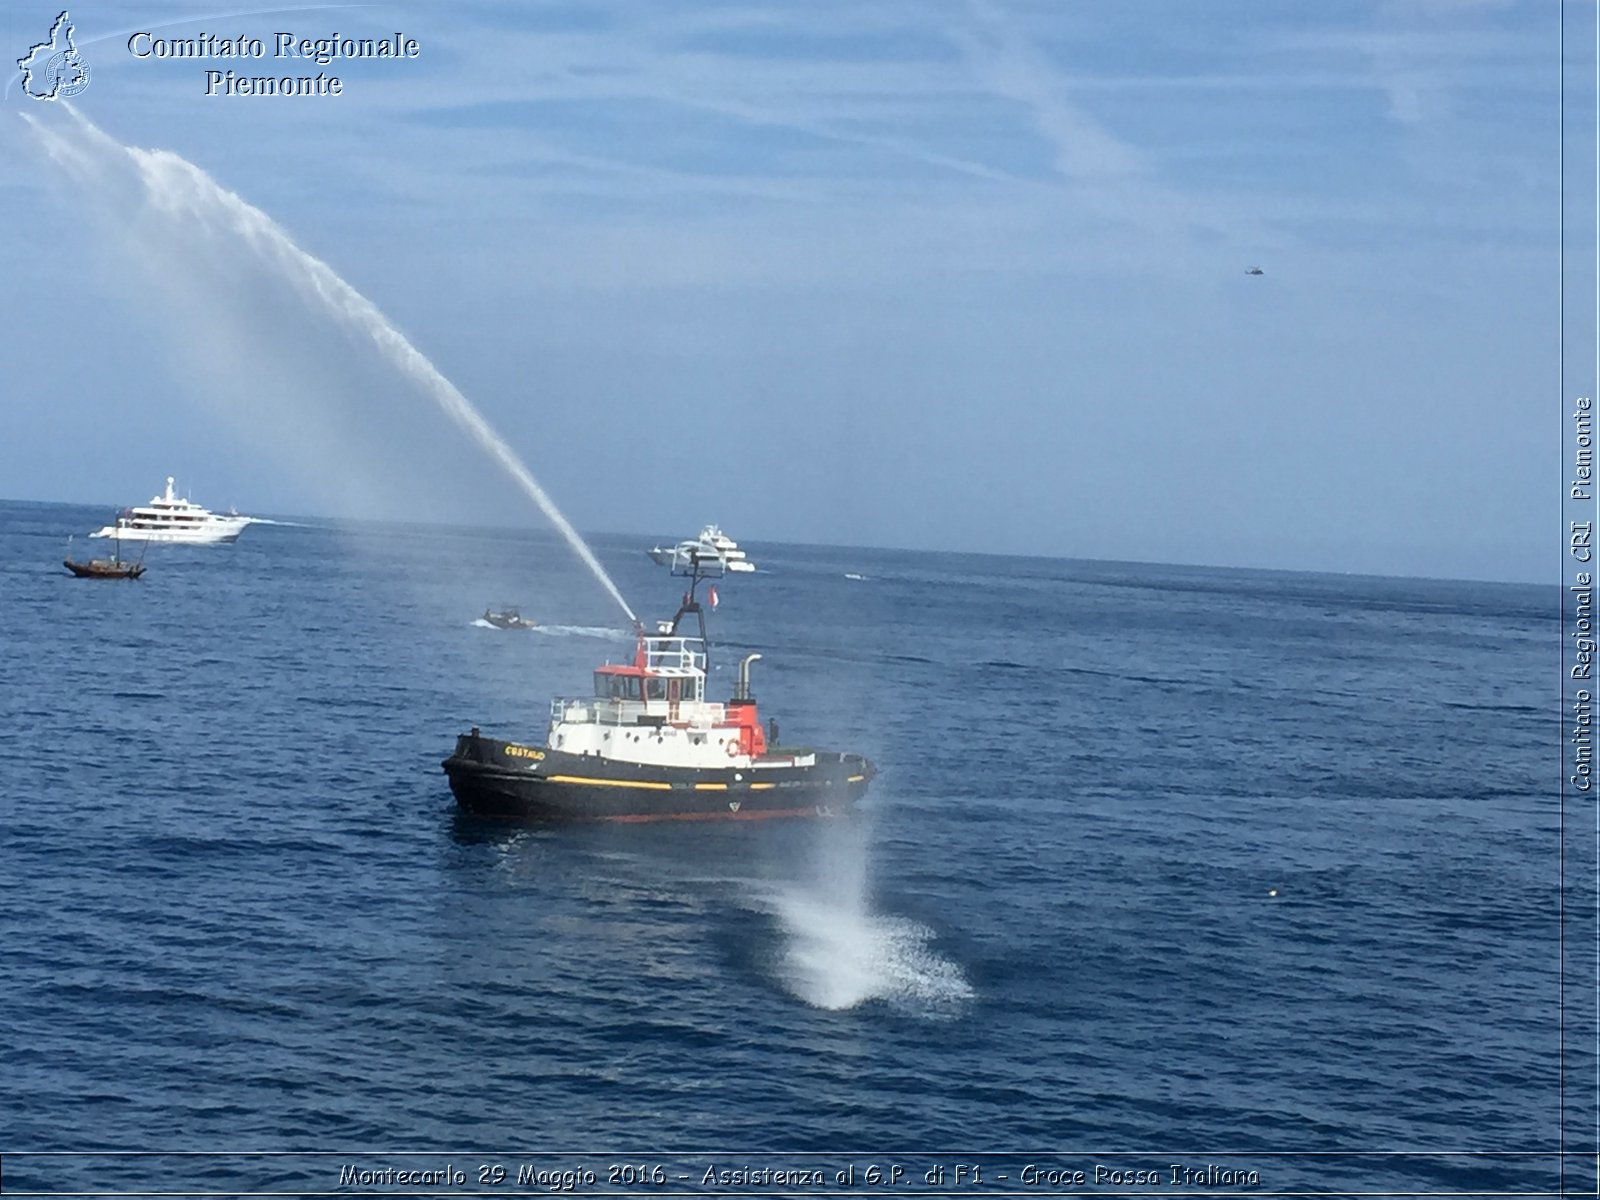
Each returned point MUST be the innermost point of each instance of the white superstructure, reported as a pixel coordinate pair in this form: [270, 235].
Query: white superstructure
[733, 558]
[172, 518]
[711, 544]
[654, 712]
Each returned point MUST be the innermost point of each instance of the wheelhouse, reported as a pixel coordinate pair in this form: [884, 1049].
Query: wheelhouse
[666, 670]
[664, 684]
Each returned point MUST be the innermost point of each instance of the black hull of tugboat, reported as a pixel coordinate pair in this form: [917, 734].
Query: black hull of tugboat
[492, 778]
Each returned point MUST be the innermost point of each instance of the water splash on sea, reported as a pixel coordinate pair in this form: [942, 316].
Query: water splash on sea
[838, 953]
[178, 189]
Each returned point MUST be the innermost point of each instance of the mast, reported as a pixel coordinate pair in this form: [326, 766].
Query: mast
[694, 565]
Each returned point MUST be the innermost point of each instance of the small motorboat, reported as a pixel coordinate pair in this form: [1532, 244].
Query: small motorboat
[115, 567]
[508, 618]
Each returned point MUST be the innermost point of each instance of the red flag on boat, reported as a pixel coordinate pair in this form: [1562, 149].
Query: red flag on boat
[711, 595]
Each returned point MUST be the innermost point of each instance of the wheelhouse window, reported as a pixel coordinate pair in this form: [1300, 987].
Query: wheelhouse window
[616, 687]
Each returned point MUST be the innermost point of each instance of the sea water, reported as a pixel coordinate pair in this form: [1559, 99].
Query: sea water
[1161, 863]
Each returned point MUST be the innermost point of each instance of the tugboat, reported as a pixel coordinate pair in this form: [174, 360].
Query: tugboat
[649, 746]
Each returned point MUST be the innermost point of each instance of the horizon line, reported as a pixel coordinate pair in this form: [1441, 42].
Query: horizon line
[306, 520]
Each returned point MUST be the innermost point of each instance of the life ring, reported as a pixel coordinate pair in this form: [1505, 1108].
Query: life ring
[733, 749]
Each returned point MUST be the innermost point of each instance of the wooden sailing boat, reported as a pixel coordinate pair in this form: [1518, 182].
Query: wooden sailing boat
[105, 568]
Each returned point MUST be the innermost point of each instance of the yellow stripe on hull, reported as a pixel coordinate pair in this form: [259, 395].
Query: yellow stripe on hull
[622, 783]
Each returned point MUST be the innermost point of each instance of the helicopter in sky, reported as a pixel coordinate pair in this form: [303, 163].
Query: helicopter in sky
[1255, 271]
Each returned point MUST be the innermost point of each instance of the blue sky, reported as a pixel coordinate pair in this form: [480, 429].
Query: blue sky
[964, 275]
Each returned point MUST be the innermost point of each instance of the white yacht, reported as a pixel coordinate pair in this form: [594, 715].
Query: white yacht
[172, 518]
[712, 543]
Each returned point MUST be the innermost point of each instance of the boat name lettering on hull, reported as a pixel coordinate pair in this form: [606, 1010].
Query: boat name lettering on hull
[524, 752]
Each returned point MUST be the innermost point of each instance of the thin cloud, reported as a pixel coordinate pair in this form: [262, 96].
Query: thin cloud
[1002, 59]
[857, 104]
[1422, 56]
[1104, 174]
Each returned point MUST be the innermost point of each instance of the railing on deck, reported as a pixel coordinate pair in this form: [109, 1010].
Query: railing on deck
[591, 710]
[674, 653]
